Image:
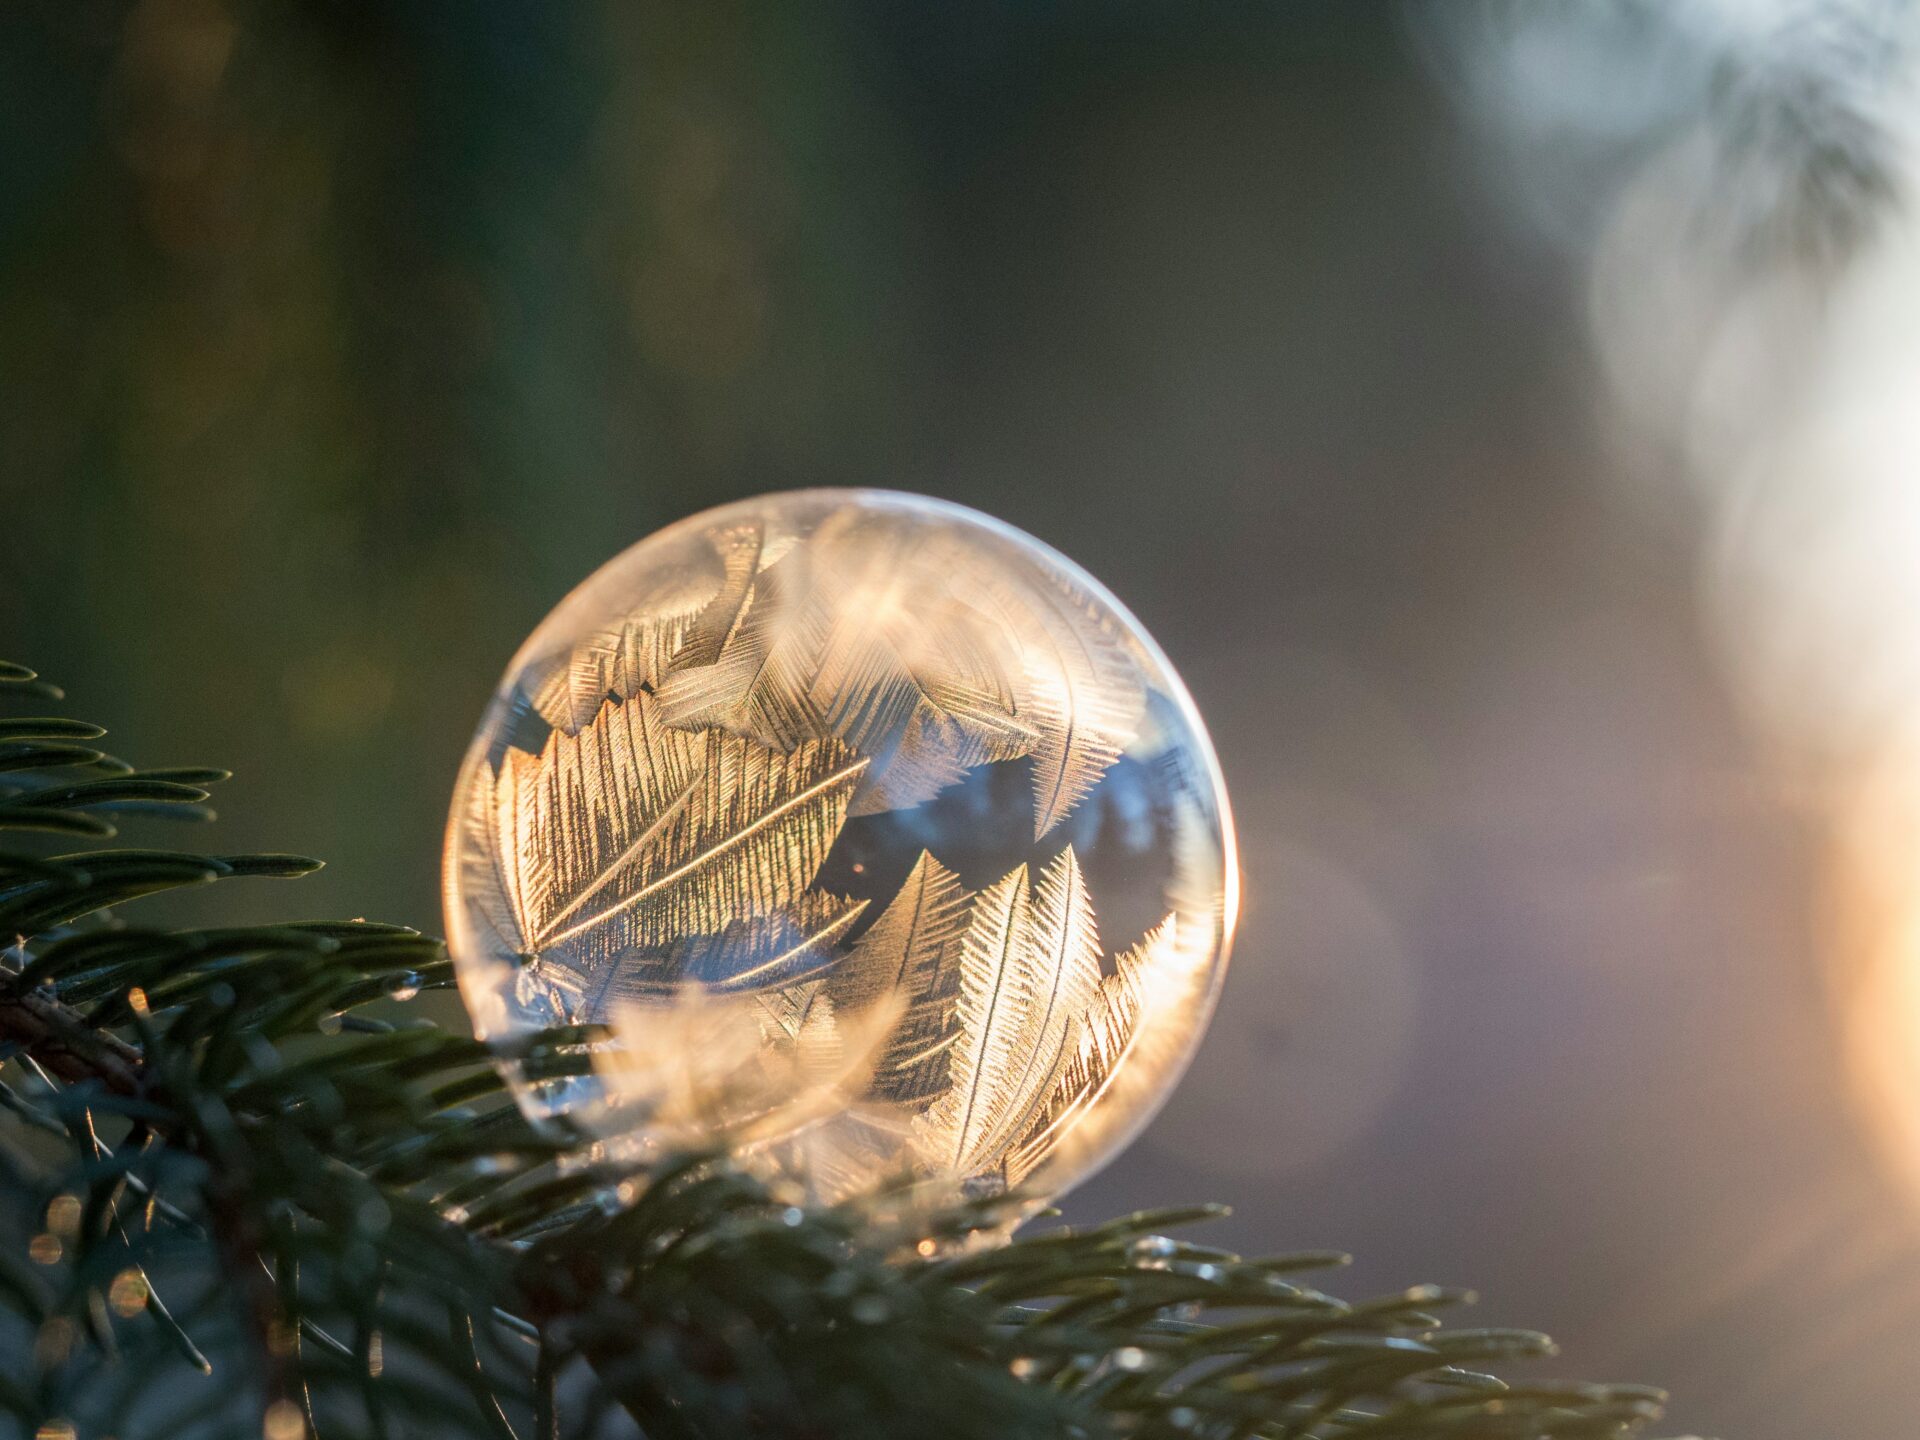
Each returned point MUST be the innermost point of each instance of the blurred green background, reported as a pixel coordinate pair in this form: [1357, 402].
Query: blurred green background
[339, 340]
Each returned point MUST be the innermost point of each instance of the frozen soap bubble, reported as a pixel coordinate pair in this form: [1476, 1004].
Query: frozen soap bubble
[882, 842]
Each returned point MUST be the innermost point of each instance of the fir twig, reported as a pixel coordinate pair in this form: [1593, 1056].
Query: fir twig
[304, 1170]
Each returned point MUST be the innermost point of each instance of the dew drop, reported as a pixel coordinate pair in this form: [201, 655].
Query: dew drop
[1152, 1252]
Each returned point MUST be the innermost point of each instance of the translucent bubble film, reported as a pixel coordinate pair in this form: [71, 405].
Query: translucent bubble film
[882, 842]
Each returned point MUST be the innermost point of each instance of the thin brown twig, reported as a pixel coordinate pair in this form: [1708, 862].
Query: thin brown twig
[58, 1037]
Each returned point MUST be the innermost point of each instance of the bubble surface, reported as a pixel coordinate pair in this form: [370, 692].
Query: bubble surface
[874, 837]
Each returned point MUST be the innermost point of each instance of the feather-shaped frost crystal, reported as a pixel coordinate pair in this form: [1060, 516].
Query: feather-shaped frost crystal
[1029, 967]
[821, 811]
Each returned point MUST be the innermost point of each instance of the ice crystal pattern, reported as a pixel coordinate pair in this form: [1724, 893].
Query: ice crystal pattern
[665, 827]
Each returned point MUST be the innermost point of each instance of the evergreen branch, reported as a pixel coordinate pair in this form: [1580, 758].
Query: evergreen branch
[244, 1118]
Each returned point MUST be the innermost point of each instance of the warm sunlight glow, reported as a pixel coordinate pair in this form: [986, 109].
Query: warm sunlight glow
[1877, 958]
[1792, 400]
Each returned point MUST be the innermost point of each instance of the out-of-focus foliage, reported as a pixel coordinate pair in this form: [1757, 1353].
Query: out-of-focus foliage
[331, 332]
[1795, 107]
